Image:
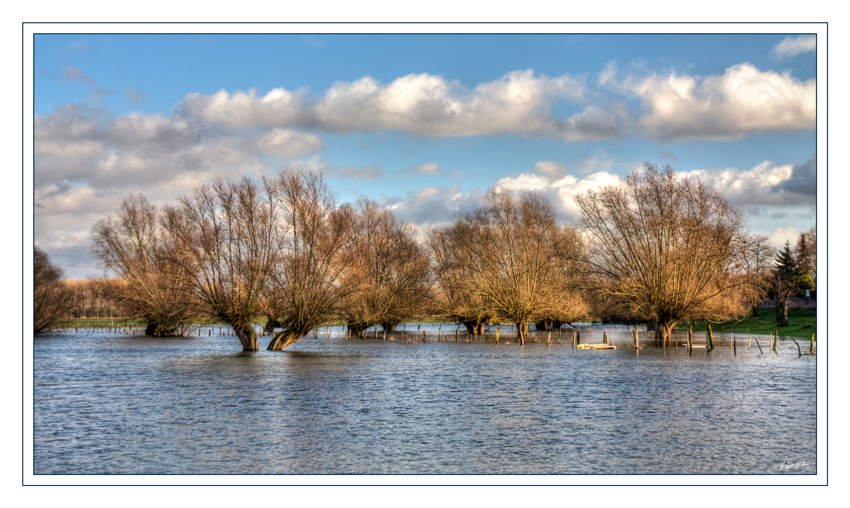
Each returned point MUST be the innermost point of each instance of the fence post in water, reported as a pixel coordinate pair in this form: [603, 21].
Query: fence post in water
[799, 351]
[750, 343]
[549, 339]
[423, 335]
[734, 345]
[457, 333]
[710, 338]
[812, 345]
[759, 345]
[690, 339]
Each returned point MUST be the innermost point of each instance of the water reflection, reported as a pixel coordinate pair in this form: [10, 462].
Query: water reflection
[124, 404]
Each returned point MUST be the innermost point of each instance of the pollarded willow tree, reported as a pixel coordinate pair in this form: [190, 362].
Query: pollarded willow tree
[662, 249]
[152, 279]
[228, 235]
[317, 265]
[396, 282]
[509, 250]
[457, 280]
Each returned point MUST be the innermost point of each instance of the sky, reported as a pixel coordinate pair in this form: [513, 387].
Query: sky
[423, 124]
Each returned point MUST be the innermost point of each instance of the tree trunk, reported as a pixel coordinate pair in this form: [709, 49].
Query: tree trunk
[247, 336]
[474, 327]
[154, 330]
[755, 311]
[284, 338]
[522, 331]
[781, 312]
[271, 324]
[666, 332]
[390, 327]
[543, 324]
[356, 329]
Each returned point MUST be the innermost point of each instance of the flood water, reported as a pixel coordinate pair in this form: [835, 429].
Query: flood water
[129, 404]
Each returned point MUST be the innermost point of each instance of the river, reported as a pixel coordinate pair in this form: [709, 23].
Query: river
[129, 404]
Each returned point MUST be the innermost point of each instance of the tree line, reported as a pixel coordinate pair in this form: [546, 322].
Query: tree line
[658, 248]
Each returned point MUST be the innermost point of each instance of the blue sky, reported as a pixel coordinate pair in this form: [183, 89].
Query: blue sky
[422, 123]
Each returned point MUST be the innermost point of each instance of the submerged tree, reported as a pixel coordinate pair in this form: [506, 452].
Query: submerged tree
[662, 248]
[317, 265]
[227, 232]
[457, 280]
[135, 246]
[508, 251]
[395, 285]
[51, 299]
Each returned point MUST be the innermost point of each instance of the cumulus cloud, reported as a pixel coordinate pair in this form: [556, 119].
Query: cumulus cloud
[288, 143]
[562, 191]
[793, 46]
[519, 102]
[244, 110]
[766, 184]
[741, 102]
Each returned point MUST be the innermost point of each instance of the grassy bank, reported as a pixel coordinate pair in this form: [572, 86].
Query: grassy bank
[802, 323]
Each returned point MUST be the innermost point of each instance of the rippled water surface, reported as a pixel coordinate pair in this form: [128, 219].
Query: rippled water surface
[107, 403]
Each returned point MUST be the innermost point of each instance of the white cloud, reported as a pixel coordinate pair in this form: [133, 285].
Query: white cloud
[741, 102]
[792, 46]
[426, 168]
[519, 102]
[244, 110]
[288, 143]
[780, 235]
[428, 105]
[562, 191]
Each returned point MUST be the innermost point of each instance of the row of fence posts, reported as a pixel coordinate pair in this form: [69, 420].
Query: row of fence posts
[733, 344]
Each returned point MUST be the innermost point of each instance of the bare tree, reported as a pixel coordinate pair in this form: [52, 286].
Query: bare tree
[51, 299]
[509, 249]
[663, 248]
[317, 264]
[153, 284]
[457, 280]
[396, 283]
[227, 232]
[755, 262]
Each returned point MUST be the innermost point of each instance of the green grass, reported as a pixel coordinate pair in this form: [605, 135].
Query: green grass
[100, 323]
[802, 323]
